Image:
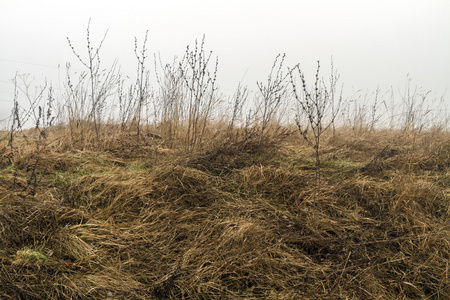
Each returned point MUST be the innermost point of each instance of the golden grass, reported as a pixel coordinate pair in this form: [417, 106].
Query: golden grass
[235, 221]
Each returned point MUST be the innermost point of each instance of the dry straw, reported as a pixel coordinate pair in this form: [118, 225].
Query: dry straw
[160, 226]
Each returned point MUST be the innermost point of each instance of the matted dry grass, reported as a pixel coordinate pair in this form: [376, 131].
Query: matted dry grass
[226, 223]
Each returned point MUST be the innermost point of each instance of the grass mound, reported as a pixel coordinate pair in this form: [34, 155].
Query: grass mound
[228, 222]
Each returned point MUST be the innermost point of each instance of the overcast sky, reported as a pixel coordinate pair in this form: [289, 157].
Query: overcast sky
[373, 43]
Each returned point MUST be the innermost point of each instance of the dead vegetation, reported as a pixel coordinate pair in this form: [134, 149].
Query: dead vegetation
[122, 190]
[227, 222]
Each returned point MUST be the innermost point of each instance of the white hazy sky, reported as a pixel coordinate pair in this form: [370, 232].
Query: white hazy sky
[372, 42]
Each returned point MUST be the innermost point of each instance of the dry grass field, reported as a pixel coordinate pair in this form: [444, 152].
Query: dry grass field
[235, 219]
[290, 191]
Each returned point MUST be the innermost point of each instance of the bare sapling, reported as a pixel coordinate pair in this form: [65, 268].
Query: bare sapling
[272, 94]
[102, 82]
[45, 117]
[201, 92]
[320, 108]
[34, 111]
[15, 119]
[334, 78]
[76, 103]
[239, 99]
[127, 103]
[48, 116]
[233, 134]
[170, 97]
[34, 99]
[142, 83]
